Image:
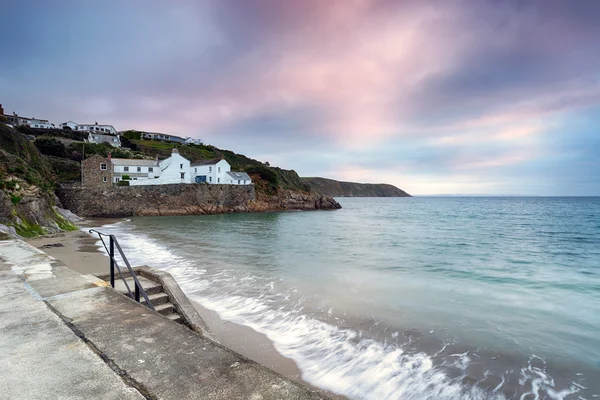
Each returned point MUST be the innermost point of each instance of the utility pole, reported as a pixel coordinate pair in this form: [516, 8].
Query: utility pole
[82, 158]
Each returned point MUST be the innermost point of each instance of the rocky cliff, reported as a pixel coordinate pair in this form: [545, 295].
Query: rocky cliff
[330, 187]
[28, 206]
[182, 199]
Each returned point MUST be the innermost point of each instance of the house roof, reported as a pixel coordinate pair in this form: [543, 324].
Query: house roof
[126, 162]
[239, 175]
[207, 162]
[161, 133]
[97, 137]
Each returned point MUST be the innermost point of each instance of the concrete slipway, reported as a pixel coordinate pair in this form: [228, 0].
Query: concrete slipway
[64, 337]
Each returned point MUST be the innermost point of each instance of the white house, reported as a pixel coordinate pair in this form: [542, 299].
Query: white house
[165, 137]
[40, 123]
[137, 170]
[97, 138]
[175, 169]
[190, 140]
[210, 171]
[70, 124]
[101, 129]
[237, 178]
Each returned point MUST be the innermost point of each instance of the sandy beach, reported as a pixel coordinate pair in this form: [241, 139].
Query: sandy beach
[76, 249]
[79, 250]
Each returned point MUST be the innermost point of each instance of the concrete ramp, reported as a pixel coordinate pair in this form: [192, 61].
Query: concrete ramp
[62, 336]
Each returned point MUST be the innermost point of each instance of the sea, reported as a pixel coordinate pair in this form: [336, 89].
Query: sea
[403, 298]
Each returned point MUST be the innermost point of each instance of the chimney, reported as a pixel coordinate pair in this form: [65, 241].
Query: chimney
[109, 156]
[1, 110]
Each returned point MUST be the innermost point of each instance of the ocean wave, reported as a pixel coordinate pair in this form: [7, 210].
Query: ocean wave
[340, 360]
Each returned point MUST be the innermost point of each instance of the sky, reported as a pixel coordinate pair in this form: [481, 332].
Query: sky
[435, 97]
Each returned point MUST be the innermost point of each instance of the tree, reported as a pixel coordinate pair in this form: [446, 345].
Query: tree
[50, 146]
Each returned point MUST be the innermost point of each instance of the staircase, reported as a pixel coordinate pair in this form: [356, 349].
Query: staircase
[157, 296]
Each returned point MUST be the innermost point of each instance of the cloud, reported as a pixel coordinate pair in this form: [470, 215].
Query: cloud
[419, 93]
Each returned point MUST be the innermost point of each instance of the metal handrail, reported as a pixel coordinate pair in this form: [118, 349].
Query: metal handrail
[113, 263]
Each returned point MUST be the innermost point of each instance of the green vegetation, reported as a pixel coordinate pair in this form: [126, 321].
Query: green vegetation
[15, 199]
[63, 223]
[123, 183]
[29, 230]
[51, 146]
[131, 134]
[57, 133]
[125, 177]
[20, 158]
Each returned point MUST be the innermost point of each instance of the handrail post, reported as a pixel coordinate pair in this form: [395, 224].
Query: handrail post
[137, 293]
[112, 262]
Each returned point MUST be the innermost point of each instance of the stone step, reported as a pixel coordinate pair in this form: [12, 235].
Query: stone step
[150, 287]
[175, 317]
[165, 309]
[156, 299]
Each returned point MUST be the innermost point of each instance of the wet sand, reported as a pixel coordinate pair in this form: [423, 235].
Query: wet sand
[78, 250]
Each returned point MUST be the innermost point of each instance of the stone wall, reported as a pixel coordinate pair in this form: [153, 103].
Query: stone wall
[182, 199]
[94, 175]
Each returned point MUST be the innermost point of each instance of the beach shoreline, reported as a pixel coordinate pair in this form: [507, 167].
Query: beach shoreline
[79, 250]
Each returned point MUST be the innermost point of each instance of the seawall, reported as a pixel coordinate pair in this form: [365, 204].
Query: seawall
[182, 199]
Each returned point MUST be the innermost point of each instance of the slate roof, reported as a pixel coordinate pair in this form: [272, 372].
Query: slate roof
[102, 137]
[206, 162]
[239, 175]
[126, 162]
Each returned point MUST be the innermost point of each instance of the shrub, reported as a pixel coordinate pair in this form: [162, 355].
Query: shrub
[123, 183]
[132, 135]
[50, 147]
[125, 177]
[15, 199]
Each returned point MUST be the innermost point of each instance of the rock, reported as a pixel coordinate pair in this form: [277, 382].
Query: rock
[68, 215]
[186, 200]
[49, 245]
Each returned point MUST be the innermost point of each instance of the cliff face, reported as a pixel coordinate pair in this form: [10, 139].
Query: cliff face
[28, 207]
[330, 187]
[182, 199]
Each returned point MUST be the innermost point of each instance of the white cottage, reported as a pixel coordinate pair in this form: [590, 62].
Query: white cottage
[210, 171]
[94, 128]
[140, 172]
[176, 169]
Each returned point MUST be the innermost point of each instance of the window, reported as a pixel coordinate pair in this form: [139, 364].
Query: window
[218, 180]
[239, 182]
[126, 169]
[103, 167]
[219, 169]
[117, 180]
[210, 178]
[150, 169]
[195, 170]
[180, 166]
[139, 169]
[209, 169]
[182, 175]
[104, 179]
